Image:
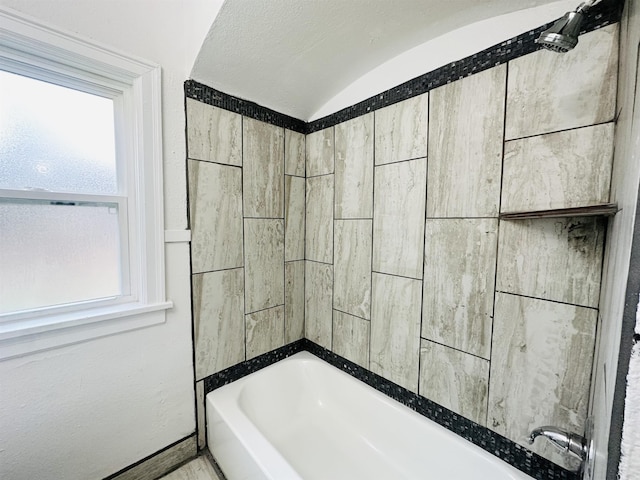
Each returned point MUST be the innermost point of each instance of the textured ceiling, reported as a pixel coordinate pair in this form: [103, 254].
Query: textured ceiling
[295, 56]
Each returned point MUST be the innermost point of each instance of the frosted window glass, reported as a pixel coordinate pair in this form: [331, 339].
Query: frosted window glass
[55, 138]
[57, 254]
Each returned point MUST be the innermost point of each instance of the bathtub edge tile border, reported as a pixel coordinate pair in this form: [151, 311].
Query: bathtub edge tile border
[506, 450]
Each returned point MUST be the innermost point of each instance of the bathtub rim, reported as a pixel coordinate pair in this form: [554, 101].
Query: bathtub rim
[226, 401]
[492, 442]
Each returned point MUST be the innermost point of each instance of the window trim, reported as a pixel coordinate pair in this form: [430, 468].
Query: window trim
[30, 47]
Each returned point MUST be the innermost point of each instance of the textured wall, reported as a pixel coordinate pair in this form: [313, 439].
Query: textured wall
[88, 410]
[246, 212]
[410, 272]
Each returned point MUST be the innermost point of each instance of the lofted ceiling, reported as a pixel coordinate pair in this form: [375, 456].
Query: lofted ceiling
[309, 57]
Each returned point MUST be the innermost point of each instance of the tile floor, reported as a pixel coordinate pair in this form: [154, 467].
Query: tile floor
[197, 469]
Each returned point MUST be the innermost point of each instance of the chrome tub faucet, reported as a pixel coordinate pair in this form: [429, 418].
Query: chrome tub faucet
[564, 441]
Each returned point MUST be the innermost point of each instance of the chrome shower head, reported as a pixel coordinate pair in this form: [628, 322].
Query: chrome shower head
[563, 35]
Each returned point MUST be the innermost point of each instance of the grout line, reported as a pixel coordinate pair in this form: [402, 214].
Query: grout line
[396, 275]
[351, 314]
[497, 248]
[219, 270]
[191, 274]
[304, 247]
[220, 164]
[285, 211]
[424, 246]
[454, 348]
[265, 309]
[373, 203]
[547, 300]
[244, 239]
[399, 161]
[333, 243]
[525, 137]
[318, 261]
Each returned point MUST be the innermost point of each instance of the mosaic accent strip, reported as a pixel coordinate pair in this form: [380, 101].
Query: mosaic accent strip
[600, 16]
[603, 14]
[503, 448]
[211, 96]
[243, 369]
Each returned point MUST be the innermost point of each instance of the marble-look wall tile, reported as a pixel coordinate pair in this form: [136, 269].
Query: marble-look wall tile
[556, 259]
[548, 92]
[395, 329]
[455, 380]
[398, 220]
[215, 216]
[558, 170]
[265, 331]
[319, 219]
[459, 276]
[352, 267]
[351, 338]
[201, 418]
[540, 369]
[218, 320]
[263, 170]
[401, 130]
[213, 134]
[293, 301]
[294, 153]
[264, 263]
[318, 293]
[465, 146]
[294, 218]
[354, 168]
[320, 152]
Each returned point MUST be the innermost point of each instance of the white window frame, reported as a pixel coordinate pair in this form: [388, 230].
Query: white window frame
[29, 47]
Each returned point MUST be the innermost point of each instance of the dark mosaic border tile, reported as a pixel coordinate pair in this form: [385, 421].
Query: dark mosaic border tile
[248, 367]
[528, 462]
[211, 96]
[605, 13]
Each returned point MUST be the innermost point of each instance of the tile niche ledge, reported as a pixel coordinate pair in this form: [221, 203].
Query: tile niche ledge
[603, 210]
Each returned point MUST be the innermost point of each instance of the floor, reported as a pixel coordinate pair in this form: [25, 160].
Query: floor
[197, 469]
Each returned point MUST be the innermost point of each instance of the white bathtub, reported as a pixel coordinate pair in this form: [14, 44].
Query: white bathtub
[302, 418]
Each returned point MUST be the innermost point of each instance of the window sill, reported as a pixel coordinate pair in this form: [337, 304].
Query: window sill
[26, 336]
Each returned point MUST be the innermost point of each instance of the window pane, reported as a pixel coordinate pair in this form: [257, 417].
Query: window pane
[57, 254]
[55, 138]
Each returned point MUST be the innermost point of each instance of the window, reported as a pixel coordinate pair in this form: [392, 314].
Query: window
[81, 231]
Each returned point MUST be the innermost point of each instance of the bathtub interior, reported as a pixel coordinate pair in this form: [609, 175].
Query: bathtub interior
[322, 423]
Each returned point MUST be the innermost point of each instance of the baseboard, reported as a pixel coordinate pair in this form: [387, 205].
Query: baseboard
[161, 462]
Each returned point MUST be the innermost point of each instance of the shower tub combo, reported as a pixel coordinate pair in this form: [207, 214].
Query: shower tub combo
[302, 419]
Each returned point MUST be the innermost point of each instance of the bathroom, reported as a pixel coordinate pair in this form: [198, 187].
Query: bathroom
[92, 409]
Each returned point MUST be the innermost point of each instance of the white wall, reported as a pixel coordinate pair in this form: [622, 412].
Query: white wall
[87, 410]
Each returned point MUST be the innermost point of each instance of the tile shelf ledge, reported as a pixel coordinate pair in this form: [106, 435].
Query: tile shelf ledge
[604, 210]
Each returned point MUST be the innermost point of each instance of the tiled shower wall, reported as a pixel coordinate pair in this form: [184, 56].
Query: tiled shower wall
[409, 270]
[246, 213]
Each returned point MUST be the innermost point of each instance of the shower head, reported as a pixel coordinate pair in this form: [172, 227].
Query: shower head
[563, 35]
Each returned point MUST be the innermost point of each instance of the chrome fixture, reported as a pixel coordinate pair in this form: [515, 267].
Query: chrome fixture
[563, 35]
[565, 441]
